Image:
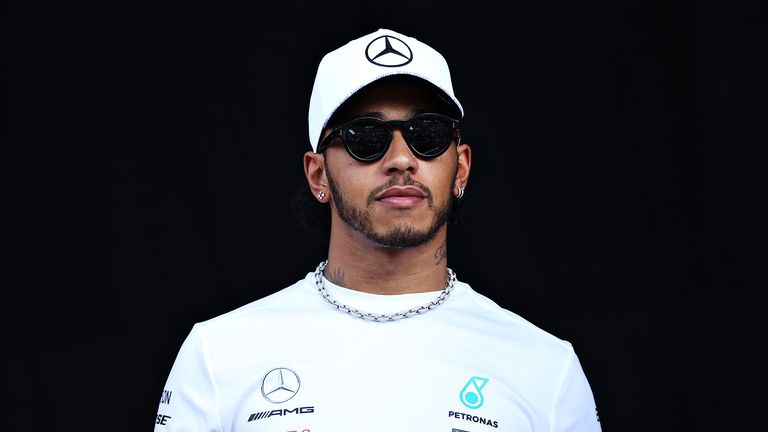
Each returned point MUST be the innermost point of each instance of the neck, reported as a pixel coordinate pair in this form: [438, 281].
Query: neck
[357, 263]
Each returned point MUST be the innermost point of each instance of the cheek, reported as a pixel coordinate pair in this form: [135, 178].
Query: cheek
[355, 183]
[440, 178]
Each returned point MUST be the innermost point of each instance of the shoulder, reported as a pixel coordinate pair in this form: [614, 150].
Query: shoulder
[267, 307]
[540, 359]
[509, 324]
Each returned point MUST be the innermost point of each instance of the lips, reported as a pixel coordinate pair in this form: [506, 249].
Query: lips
[408, 191]
[401, 197]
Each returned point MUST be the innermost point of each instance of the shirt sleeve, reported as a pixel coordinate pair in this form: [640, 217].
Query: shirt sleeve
[575, 409]
[188, 402]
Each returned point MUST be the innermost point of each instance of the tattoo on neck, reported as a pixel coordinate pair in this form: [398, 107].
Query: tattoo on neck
[441, 252]
[335, 275]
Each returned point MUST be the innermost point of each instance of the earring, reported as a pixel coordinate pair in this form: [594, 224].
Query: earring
[461, 192]
[321, 195]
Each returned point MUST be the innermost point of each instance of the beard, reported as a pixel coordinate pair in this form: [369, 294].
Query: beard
[401, 236]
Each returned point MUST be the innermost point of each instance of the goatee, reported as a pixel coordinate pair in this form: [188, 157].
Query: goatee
[401, 236]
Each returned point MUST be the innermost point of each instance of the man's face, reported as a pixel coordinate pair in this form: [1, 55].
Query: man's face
[398, 200]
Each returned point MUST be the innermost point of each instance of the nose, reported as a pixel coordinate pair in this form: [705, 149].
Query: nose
[399, 157]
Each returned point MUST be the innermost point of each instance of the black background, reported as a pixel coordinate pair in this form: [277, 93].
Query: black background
[617, 195]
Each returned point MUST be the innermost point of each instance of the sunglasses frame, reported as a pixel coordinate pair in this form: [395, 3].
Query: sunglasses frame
[389, 125]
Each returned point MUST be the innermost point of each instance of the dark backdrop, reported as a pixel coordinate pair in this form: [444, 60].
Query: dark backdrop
[150, 153]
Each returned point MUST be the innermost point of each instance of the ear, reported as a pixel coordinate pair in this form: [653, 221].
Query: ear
[462, 170]
[314, 170]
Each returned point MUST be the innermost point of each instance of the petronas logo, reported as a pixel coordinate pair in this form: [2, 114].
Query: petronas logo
[472, 393]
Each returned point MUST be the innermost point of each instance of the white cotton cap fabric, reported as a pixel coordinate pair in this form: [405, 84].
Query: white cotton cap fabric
[383, 53]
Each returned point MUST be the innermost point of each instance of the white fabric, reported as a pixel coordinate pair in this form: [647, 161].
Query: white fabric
[418, 374]
[349, 68]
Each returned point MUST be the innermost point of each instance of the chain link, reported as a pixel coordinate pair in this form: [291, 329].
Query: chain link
[383, 317]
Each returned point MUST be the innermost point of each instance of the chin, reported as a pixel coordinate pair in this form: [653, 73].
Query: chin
[403, 236]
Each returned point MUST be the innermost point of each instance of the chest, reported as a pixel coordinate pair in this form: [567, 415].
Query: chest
[372, 380]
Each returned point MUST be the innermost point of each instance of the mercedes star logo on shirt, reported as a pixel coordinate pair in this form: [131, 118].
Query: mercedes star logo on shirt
[279, 385]
[388, 51]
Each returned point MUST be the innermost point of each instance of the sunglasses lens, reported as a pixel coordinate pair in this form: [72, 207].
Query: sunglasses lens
[428, 136]
[367, 139]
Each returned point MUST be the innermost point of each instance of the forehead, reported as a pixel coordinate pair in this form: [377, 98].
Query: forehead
[387, 95]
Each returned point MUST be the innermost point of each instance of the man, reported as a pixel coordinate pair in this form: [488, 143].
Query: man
[381, 336]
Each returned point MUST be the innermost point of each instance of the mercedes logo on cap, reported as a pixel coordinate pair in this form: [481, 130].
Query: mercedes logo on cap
[388, 51]
[279, 385]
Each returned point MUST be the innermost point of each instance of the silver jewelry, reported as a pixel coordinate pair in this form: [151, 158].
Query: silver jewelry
[461, 192]
[320, 195]
[383, 317]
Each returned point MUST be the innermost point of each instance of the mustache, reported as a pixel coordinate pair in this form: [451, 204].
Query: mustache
[400, 181]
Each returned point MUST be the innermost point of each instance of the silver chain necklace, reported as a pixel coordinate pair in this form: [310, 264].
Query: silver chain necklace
[383, 317]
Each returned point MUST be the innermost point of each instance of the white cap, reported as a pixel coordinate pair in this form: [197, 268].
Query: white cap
[383, 53]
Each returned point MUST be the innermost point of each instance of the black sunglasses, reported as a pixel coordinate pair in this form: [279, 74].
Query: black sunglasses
[367, 138]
